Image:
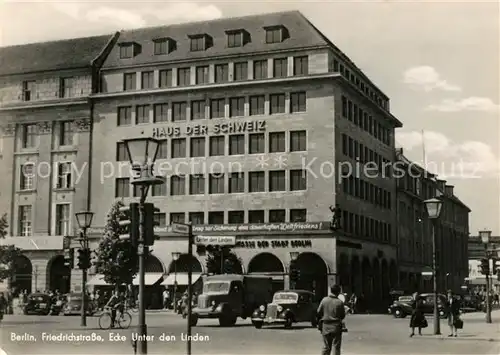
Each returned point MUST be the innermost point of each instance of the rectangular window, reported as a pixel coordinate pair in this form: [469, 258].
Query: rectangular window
[217, 108]
[183, 76]
[159, 190]
[30, 136]
[221, 73]
[276, 103]
[235, 39]
[121, 152]
[66, 133]
[198, 110]
[27, 175]
[276, 142]
[256, 216]
[29, 90]
[178, 148]
[257, 143]
[298, 180]
[237, 144]
[236, 106]
[280, 67]
[298, 141]
[217, 145]
[160, 113]
[301, 65]
[196, 185]
[197, 217]
[122, 187]
[177, 185]
[147, 80]
[216, 184]
[260, 69]
[257, 105]
[62, 219]
[160, 219]
[256, 181]
[277, 181]
[298, 102]
[166, 78]
[161, 47]
[142, 114]
[197, 43]
[277, 216]
[162, 149]
[236, 183]
[179, 111]
[177, 217]
[236, 217]
[202, 75]
[136, 190]
[240, 71]
[216, 217]
[64, 180]
[298, 215]
[197, 147]
[129, 81]
[126, 51]
[124, 116]
[25, 221]
[67, 87]
[273, 35]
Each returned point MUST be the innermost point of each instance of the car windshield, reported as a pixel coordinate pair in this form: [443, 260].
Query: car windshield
[285, 297]
[405, 298]
[216, 287]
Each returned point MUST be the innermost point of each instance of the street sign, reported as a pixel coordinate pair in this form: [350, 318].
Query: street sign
[209, 240]
[180, 228]
[427, 275]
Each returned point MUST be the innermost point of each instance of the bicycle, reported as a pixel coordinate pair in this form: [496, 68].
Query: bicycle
[123, 319]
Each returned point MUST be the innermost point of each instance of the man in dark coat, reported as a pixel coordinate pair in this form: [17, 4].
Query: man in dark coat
[453, 310]
[331, 313]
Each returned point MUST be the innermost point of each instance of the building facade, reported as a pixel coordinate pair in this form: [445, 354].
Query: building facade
[477, 252]
[415, 185]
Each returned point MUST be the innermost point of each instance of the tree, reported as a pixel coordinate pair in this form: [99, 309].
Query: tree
[9, 254]
[116, 259]
[222, 260]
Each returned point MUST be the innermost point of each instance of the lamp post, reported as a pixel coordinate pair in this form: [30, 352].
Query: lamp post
[142, 154]
[434, 206]
[84, 220]
[294, 255]
[175, 257]
[485, 238]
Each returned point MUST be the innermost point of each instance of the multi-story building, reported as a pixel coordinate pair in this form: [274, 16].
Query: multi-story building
[477, 252]
[415, 185]
[45, 149]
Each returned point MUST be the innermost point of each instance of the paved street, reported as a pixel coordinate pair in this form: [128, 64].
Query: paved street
[368, 334]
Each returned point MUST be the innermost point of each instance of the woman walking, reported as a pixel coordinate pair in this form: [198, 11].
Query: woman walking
[453, 310]
[417, 319]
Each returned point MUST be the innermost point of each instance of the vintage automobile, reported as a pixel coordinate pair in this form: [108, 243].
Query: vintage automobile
[471, 303]
[403, 307]
[287, 307]
[73, 305]
[38, 304]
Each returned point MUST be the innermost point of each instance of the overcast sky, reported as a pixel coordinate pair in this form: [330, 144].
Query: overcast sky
[437, 61]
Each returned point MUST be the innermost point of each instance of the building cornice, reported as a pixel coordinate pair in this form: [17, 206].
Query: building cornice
[45, 104]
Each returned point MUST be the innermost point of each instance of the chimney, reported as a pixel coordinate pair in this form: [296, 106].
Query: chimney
[441, 185]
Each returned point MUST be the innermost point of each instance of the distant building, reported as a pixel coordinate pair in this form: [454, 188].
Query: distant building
[476, 253]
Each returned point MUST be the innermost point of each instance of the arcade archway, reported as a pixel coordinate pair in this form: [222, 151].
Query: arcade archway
[313, 274]
[386, 284]
[377, 280]
[356, 277]
[153, 265]
[343, 269]
[59, 275]
[23, 276]
[268, 264]
[393, 275]
[367, 278]
[181, 265]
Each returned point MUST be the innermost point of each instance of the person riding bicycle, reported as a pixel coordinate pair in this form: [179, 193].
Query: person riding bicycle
[116, 302]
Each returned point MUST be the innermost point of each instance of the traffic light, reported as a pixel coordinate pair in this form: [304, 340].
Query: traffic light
[494, 271]
[130, 219]
[485, 267]
[294, 271]
[84, 259]
[69, 257]
[150, 213]
[496, 268]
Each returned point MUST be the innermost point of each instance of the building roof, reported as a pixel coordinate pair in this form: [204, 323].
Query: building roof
[53, 55]
[300, 34]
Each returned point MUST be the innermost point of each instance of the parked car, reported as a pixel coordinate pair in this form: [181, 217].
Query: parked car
[471, 303]
[57, 305]
[73, 305]
[403, 307]
[38, 303]
[287, 307]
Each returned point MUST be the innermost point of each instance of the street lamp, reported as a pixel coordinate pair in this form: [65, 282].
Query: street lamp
[175, 257]
[142, 154]
[434, 206]
[485, 238]
[84, 220]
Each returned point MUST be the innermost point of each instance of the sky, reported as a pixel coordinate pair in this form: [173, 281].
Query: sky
[437, 61]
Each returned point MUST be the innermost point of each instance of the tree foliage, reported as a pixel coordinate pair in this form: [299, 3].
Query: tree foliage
[116, 259]
[9, 254]
[222, 260]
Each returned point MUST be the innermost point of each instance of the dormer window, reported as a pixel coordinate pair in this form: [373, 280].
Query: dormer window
[276, 34]
[163, 46]
[200, 42]
[128, 50]
[237, 38]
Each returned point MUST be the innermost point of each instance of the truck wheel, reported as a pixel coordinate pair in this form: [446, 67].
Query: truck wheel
[227, 321]
[257, 325]
[194, 320]
[288, 323]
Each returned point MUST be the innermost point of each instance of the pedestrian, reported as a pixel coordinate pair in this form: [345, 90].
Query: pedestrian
[331, 314]
[453, 310]
[166, 297]
[3, 305]
[417, 319]
[353, 302]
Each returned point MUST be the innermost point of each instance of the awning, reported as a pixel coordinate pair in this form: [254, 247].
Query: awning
[182, 279]
[150, 278]
[97, 280]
